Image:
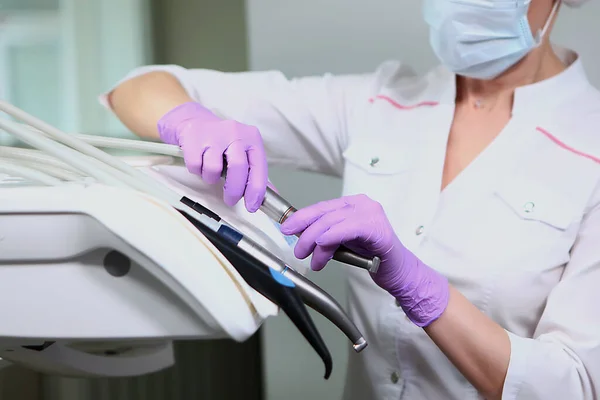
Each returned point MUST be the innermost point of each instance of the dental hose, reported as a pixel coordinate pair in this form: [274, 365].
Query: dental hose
[31, 174]
[34, 156]
[56, 172]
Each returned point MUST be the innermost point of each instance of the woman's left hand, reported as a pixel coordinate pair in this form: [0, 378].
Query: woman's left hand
[360, 224]
[355, 221]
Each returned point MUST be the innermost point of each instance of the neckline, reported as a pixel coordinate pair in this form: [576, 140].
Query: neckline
[527, 98]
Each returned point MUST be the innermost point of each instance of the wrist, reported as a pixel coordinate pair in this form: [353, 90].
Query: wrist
[169, 123]
[423, 294]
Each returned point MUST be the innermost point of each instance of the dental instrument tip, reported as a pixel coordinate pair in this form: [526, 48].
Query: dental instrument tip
[360, 345]
[328, 369]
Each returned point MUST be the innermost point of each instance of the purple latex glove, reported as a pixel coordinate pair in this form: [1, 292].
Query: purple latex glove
[204, 138]
[360, 224]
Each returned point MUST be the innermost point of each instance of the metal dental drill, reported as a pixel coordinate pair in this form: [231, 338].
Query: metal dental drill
[278, 209]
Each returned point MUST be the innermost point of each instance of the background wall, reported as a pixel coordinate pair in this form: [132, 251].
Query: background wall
[313, 37]
[29, 4]
[203, 33]
[341, 36]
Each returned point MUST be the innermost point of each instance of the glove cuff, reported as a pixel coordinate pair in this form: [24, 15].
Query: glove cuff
[425, 298]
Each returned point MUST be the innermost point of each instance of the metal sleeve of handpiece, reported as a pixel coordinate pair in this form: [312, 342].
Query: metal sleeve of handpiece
[141, 101]
[278, 209]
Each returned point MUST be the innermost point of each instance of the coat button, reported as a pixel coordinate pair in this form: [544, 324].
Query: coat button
[419, 230]
[395, 377]
[528, 207]
[398, 303]
[374, 161]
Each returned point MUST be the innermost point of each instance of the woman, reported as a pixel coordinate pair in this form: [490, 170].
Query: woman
[477, 185]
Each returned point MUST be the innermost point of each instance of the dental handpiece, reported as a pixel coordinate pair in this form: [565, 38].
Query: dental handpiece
[312, 295]
[278, 209]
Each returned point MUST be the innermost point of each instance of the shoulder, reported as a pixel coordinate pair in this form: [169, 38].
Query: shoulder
[575, 127]
[574, 132]
[568, 108]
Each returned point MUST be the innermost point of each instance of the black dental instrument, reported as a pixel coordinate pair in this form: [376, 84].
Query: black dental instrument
[312, 295]
[273, 285]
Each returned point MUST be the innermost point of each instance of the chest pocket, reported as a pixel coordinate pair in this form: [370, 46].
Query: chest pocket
[537, 204]
[381, 171]
[534, 222]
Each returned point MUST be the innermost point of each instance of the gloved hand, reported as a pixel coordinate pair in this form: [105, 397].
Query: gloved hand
[204, 138]
[360, 224]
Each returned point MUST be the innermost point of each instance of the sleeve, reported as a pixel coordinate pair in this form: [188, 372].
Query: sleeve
[562, 361]
[303, 121]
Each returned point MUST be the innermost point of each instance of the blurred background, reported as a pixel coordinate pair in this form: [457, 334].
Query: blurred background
[57, 56]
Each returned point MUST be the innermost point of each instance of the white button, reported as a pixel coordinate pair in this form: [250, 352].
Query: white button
[528, 207]
[419, 230]
[395, 377]
[374, 161]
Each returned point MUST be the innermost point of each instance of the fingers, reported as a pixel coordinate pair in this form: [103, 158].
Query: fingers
[192, 156]
[321, 256]
[339, 234]
[258, 178]
[325, 227]
[334, 226]
[331, 239]
[212, 164]
[308, 239]
[206, 144]
[246, 174]
[303, 218]
[237, 173]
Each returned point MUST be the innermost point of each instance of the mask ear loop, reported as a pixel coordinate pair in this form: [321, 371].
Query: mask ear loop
[542, 32]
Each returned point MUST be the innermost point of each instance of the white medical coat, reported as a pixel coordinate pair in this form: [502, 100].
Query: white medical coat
[517, 232]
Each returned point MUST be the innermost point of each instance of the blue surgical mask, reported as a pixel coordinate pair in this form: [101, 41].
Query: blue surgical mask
[481, 39]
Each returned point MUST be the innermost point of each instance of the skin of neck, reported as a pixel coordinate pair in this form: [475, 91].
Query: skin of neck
[539, 64]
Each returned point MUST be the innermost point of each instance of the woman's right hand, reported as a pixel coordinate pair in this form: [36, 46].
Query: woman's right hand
[206, 140]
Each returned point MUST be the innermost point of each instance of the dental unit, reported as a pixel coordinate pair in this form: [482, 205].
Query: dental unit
[108, 301]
